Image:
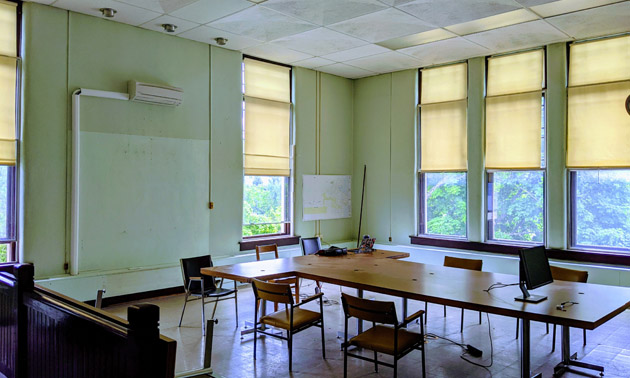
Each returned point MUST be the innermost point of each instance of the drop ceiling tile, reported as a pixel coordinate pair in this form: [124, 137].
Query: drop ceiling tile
[531, 3]
[319, 41]
[160, 6]
[262, 24]
[344, 70]
[356, 53]
[125, 13]
[395, 2]
[493, 22]
[445, 13]
[276, 53]
[313, 62]
[387, 62]
[325, 12]
[204, 11]
[446, 51]
[383, 25]
[521, 36]
[207, 34]
[156, 24]
[595, 22]
[417, 39]
[565, 6]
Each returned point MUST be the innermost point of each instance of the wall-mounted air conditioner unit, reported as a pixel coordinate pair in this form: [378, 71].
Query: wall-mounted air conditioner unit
[155, 94]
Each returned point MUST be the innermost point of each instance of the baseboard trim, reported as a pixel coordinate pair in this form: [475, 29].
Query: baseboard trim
[109, 301]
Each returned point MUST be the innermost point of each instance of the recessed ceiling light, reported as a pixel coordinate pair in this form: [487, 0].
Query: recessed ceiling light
[108, 12]
[221, 41]
[416, 39]
[169, 28]
[493, 22]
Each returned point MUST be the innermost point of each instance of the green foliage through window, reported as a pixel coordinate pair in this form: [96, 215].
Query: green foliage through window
[445, 210]
[264, 205]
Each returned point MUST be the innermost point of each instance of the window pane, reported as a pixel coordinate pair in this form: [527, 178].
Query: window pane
[4, 202]
[3, 253]
[602, 208]
[445, 204]
[265, 205]
[517, 206]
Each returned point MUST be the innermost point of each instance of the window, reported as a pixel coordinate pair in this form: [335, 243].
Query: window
[267, 148]
[515, 148]
[9, 69]
[443, 151]
[597, 144]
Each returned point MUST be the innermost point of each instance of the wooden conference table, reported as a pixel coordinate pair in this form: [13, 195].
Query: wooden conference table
[381, 272]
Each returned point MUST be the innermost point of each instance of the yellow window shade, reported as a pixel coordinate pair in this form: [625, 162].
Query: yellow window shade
[602, 61]
[443, 137]
[513, 131]
[8, 29]
[7, 110]
[446, 83]
[267, 137]
[268, 81]
[598, 126]
[517, 73]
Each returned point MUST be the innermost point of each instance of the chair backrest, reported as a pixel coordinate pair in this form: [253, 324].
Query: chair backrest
[273, 292]
[310, 246]
[456, 262]
[369, 310]
[191, 267]
[266, 248]
[564, 274]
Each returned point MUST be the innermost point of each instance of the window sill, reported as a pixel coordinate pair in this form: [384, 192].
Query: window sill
[280, 240]
[587, 256]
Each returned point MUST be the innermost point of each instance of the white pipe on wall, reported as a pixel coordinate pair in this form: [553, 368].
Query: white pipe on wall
[76, 150]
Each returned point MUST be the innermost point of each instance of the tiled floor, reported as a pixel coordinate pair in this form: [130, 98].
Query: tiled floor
[609, 345]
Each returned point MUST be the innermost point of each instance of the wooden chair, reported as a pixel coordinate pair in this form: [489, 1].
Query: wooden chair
[456, 262]
[310, 246]
[395, 341]
[293, 281]
[293, 319]
[201, 287]
[563, 274]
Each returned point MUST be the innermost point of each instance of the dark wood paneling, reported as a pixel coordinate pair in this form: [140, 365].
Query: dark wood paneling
[249, 244]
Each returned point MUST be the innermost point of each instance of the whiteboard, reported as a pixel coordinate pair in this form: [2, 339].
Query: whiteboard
[326, 197]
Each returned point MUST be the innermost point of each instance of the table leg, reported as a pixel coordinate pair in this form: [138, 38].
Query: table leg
[526, 371]
[569, 359]
[359, 322]
[404, 308]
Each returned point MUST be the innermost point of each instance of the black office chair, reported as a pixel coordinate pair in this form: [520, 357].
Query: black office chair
[310, 246]
[200, 287]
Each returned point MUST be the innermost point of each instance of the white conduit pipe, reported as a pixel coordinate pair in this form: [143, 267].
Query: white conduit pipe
[76, 150]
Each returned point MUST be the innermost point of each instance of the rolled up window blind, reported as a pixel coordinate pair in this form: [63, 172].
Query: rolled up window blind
[443, 105]
[598, 133]
[267, 119]
[8, 82]
[514, 111]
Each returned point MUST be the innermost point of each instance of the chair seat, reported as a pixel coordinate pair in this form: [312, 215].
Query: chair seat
[287, 280]
[381, 339]
[218, 292]
[282, 318]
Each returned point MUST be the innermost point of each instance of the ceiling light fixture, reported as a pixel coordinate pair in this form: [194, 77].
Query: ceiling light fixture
[108, 12]
[221, 41]
[169, 28]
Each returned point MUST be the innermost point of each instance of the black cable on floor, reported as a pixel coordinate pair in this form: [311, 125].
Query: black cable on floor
[491, 350]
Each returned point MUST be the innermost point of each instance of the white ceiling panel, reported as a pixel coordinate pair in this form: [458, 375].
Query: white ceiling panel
[345, 70]
[521, 36]
[275, 53]
[319, 41]
[493, 22]
[325, 12]
[207, 35]
[387, 62]
[161, 6]
[356, 53]
[594, 22]
[417, 39]
[182, 25]
[204, 11]
[382, 25]
[565, 6]
[127, 14]
[531, 3]
[446, 51]
[262, 24]
[313, 62]
[395, 2]
[445, 13]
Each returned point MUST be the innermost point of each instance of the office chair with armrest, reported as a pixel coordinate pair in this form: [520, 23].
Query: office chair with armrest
[310, 246]
[393, 340]
[456, 262]
[293, 281]
[563, 274]
[293, 319]
[201, 287]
